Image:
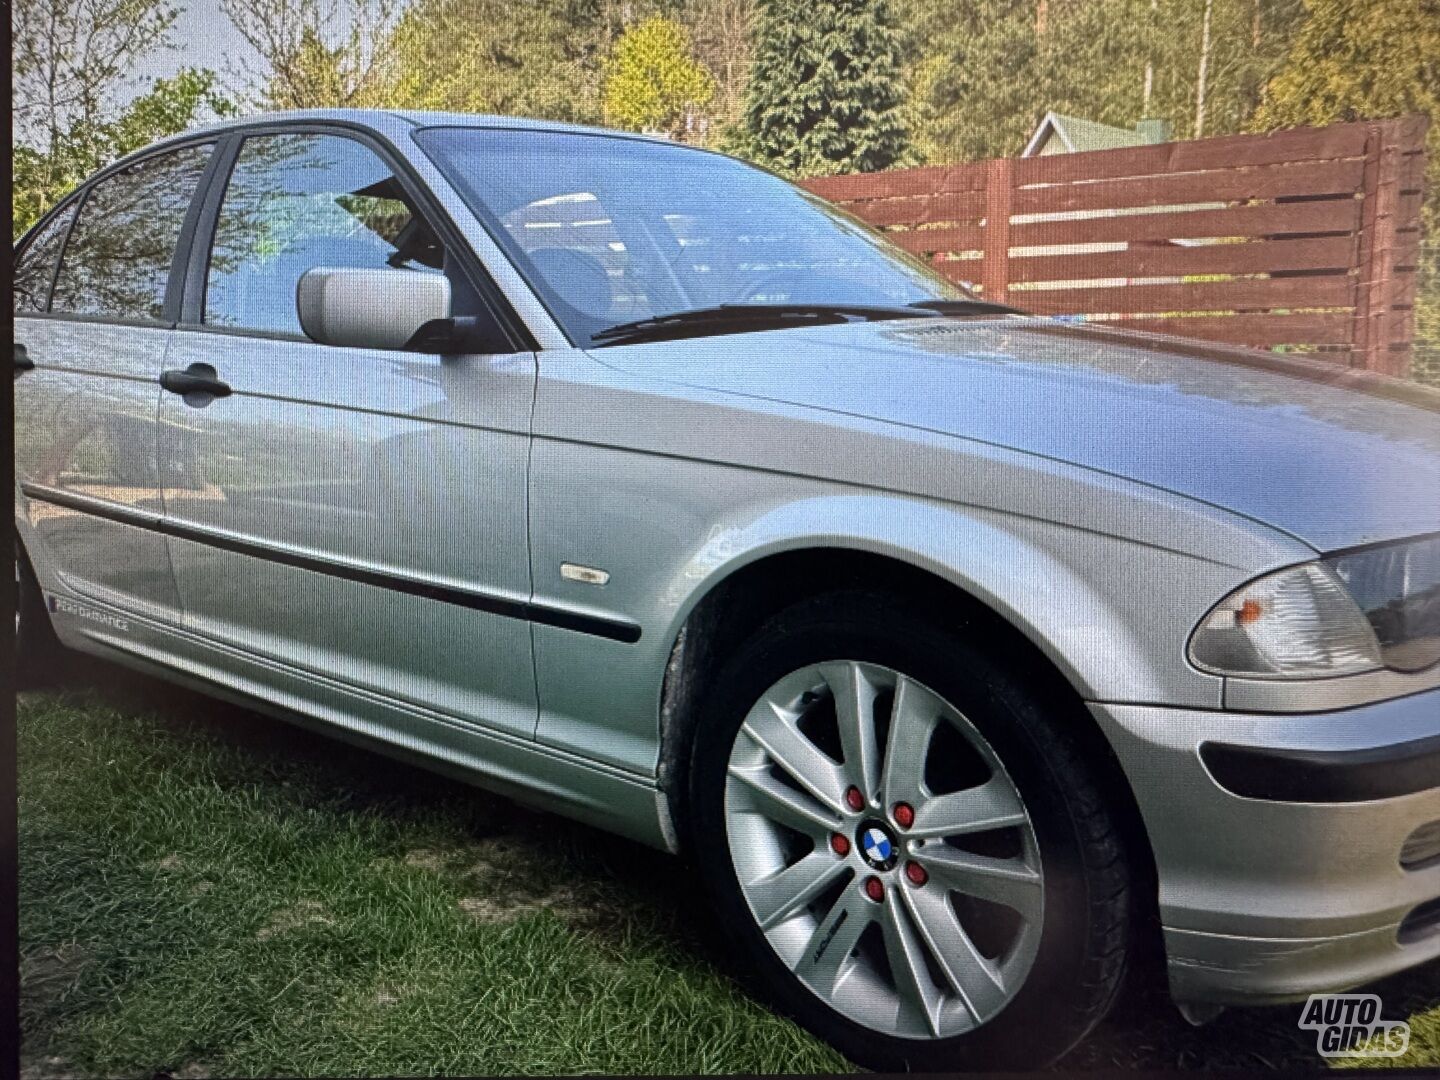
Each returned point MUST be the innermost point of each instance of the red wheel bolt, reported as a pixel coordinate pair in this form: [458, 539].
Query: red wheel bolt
[916, 873]
[839, 844]
[854, 799]
[874, 889]
[904, 815]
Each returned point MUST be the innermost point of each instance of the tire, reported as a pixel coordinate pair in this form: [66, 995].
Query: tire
[1054, 932]
[39, 656]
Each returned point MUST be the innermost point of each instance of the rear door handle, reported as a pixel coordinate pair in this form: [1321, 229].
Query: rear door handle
[22, 359]
[197, 384]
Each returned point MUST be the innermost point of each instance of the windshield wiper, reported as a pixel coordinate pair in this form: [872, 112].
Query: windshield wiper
[966, 307]
[743, 318]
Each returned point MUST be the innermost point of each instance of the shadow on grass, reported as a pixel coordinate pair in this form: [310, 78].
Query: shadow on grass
[614, 892]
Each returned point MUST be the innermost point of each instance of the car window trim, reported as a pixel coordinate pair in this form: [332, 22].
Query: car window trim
[201, 237]
[97, 320]
[81, 195]
[75, 199]
[179, 268]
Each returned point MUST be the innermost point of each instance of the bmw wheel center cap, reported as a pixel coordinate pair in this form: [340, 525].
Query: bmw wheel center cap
[877, 846]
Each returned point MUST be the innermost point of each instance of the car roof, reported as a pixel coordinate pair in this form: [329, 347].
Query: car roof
[388, 123]
[387, 120]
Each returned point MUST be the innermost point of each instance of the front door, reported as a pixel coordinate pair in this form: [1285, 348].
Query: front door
[351, 514]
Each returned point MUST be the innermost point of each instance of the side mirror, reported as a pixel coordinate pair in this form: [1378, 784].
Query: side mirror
[369, 309]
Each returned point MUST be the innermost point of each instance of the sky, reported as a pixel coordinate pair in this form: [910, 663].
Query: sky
[203, 37]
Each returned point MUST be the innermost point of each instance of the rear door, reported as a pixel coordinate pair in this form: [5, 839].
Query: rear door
[349, 514]
[85, 415]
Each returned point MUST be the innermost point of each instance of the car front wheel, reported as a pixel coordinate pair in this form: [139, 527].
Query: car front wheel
[906, 844]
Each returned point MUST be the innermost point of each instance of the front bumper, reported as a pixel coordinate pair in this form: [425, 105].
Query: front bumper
[1278, 839]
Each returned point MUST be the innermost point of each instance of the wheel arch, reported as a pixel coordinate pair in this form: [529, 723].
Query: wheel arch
[739, 602]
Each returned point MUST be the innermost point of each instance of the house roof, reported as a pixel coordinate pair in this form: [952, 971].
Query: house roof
[1077, 134]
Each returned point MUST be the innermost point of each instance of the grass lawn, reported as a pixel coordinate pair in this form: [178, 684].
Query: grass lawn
[205, 891]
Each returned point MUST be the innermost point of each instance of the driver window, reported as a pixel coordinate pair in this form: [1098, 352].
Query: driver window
[295, 202]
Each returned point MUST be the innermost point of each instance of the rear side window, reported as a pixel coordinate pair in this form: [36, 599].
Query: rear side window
[35, 268]
[117, 261]
[295, 202]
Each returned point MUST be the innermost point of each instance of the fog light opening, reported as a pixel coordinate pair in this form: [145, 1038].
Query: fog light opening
[1421, 849]
[1421, 924]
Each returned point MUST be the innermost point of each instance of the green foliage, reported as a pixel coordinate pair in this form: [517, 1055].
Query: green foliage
[308, 54]
[540, 58]
[652, 80]
[1355, 59]
[1363, 59]
[723, 33]
[826, 89]
[43, 177]
[985, 75]
[171, 105]
[72, 56]
[490, 56]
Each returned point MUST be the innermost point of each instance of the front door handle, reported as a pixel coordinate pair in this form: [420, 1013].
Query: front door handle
[22, 359]
[197, 384]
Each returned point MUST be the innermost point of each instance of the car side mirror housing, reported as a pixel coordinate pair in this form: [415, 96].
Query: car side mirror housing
[369, 309]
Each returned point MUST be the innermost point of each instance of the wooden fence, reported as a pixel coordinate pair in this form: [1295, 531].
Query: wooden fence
[1308, 237]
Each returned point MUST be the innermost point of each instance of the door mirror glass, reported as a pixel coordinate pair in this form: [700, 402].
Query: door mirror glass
[369, 309]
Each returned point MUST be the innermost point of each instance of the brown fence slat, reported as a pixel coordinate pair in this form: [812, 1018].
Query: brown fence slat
[1253, 257]
[1412, 171]
[1407, 209]
[1308, 218]
[1407, 250]
[1311, 292]
[925, 241]
[1227, 152]
[921, 209]
[927, 180]
[1259, 330]
[995, 265]
[1261, 182]
[1337, 215]
[1379, 290]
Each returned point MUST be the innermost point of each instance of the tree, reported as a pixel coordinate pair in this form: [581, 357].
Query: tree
[1355, 59]
[1362, 59]
[652, 81]
[518, 57]
[826, 93]
[984, 82]
[72, 67]
[722, 31]
[71, 59]
[302, 62]
[43, 176]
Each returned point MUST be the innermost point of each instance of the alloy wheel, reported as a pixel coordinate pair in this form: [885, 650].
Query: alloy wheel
[883, 850]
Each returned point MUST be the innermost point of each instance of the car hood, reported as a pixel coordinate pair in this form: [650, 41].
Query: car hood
[1332, 456]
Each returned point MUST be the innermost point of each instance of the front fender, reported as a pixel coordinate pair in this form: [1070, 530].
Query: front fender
[1080, 597]
[1112, 614]
[671, 490]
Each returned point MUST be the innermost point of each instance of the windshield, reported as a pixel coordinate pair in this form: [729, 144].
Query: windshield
[612, 230]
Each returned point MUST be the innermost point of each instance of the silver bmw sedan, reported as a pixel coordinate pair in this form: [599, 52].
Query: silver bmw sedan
[961, 652]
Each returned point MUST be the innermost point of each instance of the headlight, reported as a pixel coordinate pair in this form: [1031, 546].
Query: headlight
[1349, 613]
[1397, 586]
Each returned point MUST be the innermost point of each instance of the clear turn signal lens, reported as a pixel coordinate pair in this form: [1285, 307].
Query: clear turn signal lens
[1299, 623]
